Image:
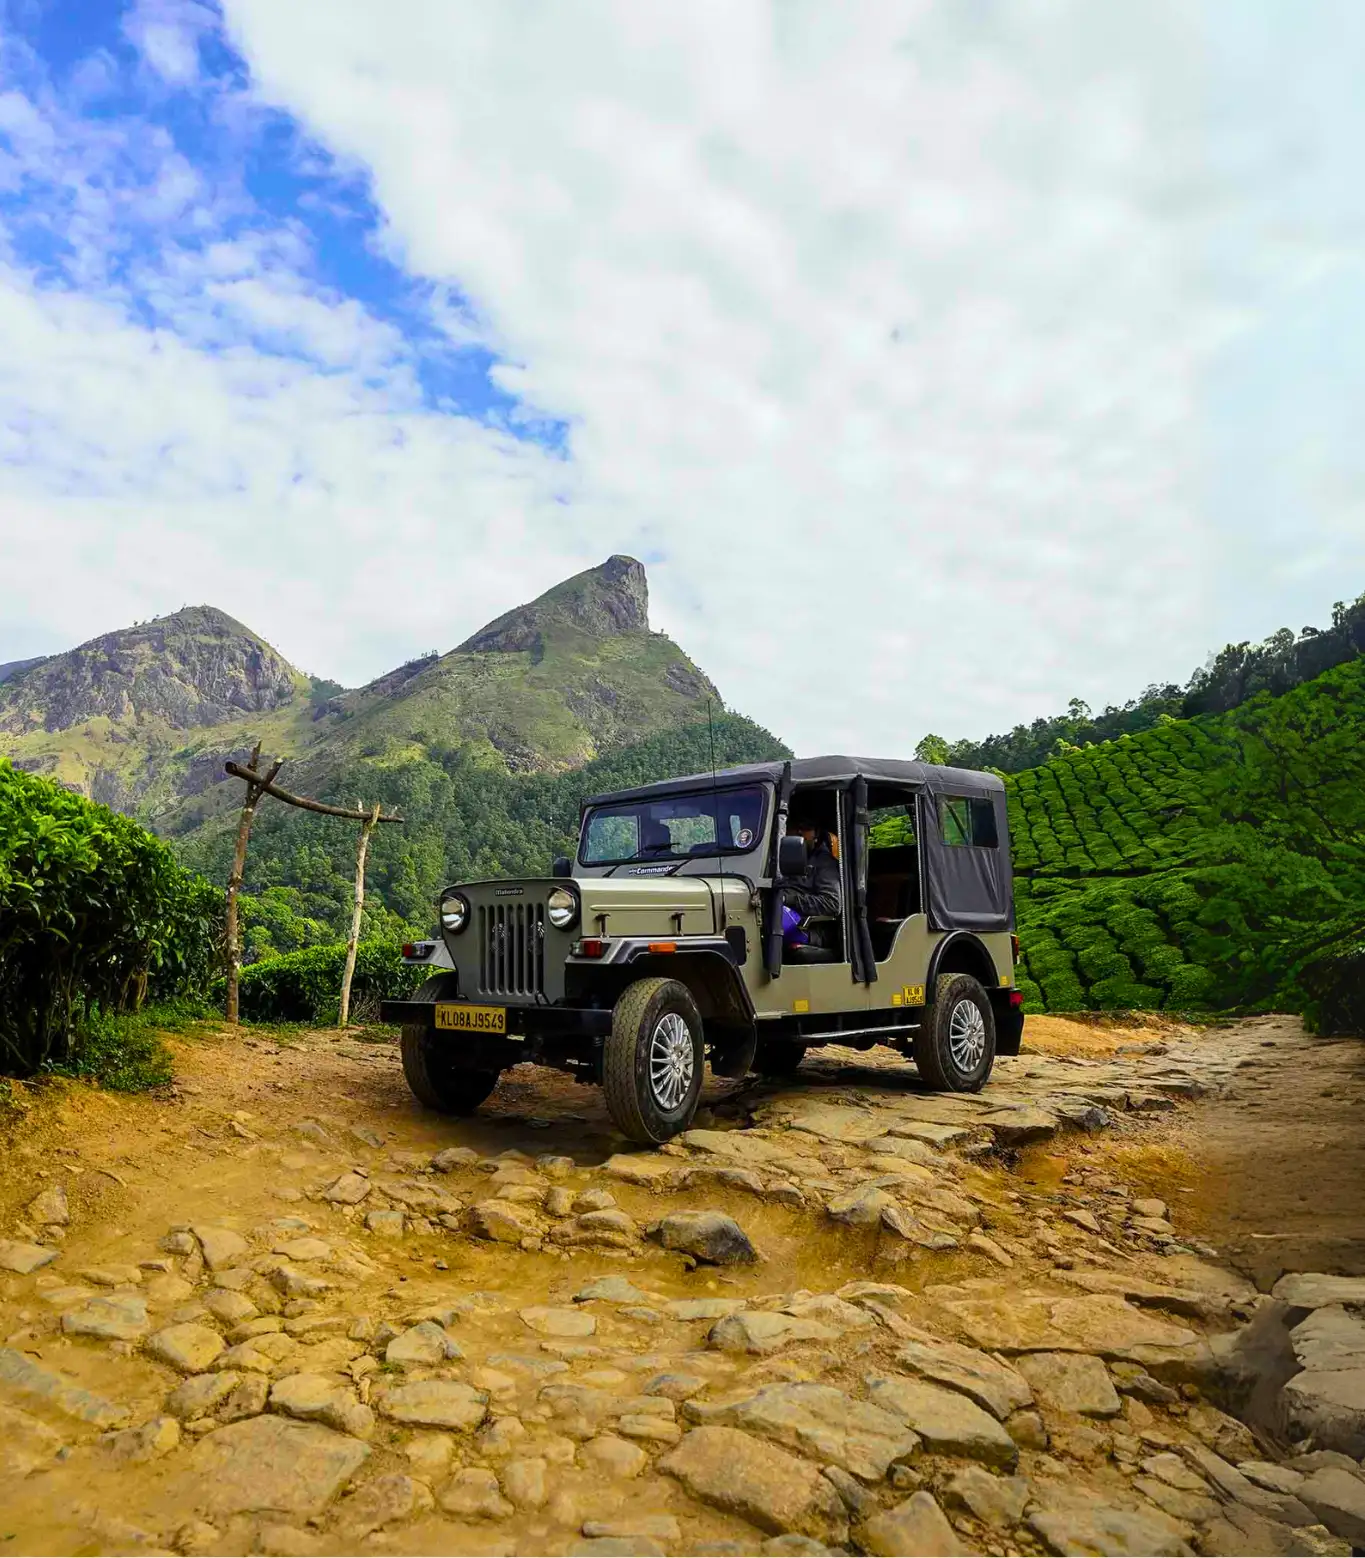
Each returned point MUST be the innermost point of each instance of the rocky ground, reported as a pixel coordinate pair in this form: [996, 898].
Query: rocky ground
[282, 1310]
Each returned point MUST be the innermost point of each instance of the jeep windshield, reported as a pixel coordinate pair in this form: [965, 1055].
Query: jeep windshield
[673, 827]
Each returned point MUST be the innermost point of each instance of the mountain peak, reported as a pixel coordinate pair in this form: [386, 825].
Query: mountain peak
[197, 666]
[604, 601]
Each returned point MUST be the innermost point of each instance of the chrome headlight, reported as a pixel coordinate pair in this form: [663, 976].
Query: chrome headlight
[562, 907]
[454, 913]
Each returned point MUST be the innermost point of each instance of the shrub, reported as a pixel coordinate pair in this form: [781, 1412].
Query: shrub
[306, 986]
[94, 913]
[1335, 987]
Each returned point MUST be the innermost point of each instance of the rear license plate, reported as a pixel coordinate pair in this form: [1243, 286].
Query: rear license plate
[471, 1019]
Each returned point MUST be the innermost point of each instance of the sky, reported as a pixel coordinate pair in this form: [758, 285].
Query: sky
[941, 361]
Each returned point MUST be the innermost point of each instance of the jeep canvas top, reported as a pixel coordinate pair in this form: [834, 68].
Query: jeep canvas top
[663, 945]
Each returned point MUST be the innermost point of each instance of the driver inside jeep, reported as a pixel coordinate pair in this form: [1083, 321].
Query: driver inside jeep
[811, 903]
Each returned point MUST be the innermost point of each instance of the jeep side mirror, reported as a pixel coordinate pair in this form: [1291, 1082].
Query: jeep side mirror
[562, 866]
[792, 856]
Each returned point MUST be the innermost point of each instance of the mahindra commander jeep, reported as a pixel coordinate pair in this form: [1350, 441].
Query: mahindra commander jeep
[664, 945]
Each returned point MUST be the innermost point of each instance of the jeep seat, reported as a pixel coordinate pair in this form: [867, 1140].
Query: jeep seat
[809, 954]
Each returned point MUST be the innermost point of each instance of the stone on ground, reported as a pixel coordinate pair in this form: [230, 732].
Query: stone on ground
[381, 1502]
[221, 1246]
[190, 1348]
[614, 1456]
[23, 1258]
[269, 1464]
[1076, 1523]
[707, 1236]
[1071, 1382]
[49, 1206]
[759, 1331]
[424, 1344]
[434, 1404]
[119, 1317]
[201, 1394]
[827, 1424]
[990, 1383]
[1316, 1290]
[995, 1501]
[761, 1484]
[474, 1494]
[918, 1528]
[137, 1446]
[503, 1222]
[550, 1321]
[1337, 1498]
[948, 1422]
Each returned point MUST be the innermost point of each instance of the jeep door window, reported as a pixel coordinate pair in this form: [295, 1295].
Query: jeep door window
[967, 822]
[673, 827]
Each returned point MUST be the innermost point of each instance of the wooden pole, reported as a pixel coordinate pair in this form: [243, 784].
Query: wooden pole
[254, 792]
[366, 828]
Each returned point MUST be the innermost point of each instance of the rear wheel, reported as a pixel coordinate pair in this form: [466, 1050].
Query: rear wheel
[653, 1064]
[955, 1047]
[433, 1068]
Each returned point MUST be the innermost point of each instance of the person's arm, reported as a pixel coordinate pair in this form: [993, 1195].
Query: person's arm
[816, 893]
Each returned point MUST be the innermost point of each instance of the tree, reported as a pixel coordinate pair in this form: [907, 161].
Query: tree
[932, 749]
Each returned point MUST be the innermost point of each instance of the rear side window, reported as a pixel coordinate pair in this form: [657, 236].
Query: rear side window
[966, 821]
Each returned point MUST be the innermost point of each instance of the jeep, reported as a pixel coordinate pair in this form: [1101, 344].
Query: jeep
[663, 945]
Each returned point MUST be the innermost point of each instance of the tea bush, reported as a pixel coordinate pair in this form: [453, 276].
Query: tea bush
[95, 914]
[306, 986]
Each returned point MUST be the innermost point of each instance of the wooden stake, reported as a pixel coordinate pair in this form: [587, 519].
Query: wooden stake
[366, 828]
[233, 949]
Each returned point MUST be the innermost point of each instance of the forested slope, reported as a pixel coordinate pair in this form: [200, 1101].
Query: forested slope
[462, 821]
[1209, 862]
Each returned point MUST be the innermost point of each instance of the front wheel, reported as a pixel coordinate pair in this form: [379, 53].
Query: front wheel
[955, 1046]
[433, 1071]
[653, 1063]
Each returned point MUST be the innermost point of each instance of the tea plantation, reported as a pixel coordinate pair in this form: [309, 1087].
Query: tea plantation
[1204, 863]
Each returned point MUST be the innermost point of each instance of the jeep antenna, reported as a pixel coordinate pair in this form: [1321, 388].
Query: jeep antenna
[715, 812]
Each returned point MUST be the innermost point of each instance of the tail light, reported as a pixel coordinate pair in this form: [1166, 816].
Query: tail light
[1016, 997]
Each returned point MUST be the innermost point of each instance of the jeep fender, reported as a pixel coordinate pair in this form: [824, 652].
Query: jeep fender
[722, 999]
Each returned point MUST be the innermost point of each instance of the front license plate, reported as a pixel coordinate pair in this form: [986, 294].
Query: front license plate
[471, 1019]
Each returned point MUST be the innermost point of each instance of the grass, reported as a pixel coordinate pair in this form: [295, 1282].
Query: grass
[125, 1052]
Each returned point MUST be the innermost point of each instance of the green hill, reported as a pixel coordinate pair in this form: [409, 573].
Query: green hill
[1209, 862]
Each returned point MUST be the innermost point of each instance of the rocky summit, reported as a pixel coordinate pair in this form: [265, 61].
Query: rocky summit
[144, 718]
[302, 1317]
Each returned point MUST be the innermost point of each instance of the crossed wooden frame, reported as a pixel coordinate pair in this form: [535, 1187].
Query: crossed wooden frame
[257, 785]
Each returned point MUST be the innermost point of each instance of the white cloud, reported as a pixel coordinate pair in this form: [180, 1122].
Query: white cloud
[891, 327]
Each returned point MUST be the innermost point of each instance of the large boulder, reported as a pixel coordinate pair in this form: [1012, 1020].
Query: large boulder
[706, 1236]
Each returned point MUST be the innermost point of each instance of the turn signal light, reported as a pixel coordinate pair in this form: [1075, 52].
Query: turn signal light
[663, 946]
[591, 947]
[1014, 946]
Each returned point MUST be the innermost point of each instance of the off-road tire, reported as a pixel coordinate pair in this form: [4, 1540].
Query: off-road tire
[434, 1075]
[778, 1059]
[942, 1050]
[636, 1022]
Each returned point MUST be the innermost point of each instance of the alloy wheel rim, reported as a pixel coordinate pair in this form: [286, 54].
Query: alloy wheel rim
[966, 1035]
[671, 1061]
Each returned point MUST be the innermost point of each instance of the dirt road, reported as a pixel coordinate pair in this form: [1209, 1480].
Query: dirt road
[282, 1310]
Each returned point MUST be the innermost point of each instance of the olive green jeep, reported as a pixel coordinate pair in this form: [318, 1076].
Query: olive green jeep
[663, 946]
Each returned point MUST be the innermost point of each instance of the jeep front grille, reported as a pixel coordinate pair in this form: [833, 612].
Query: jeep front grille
[511, 949]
